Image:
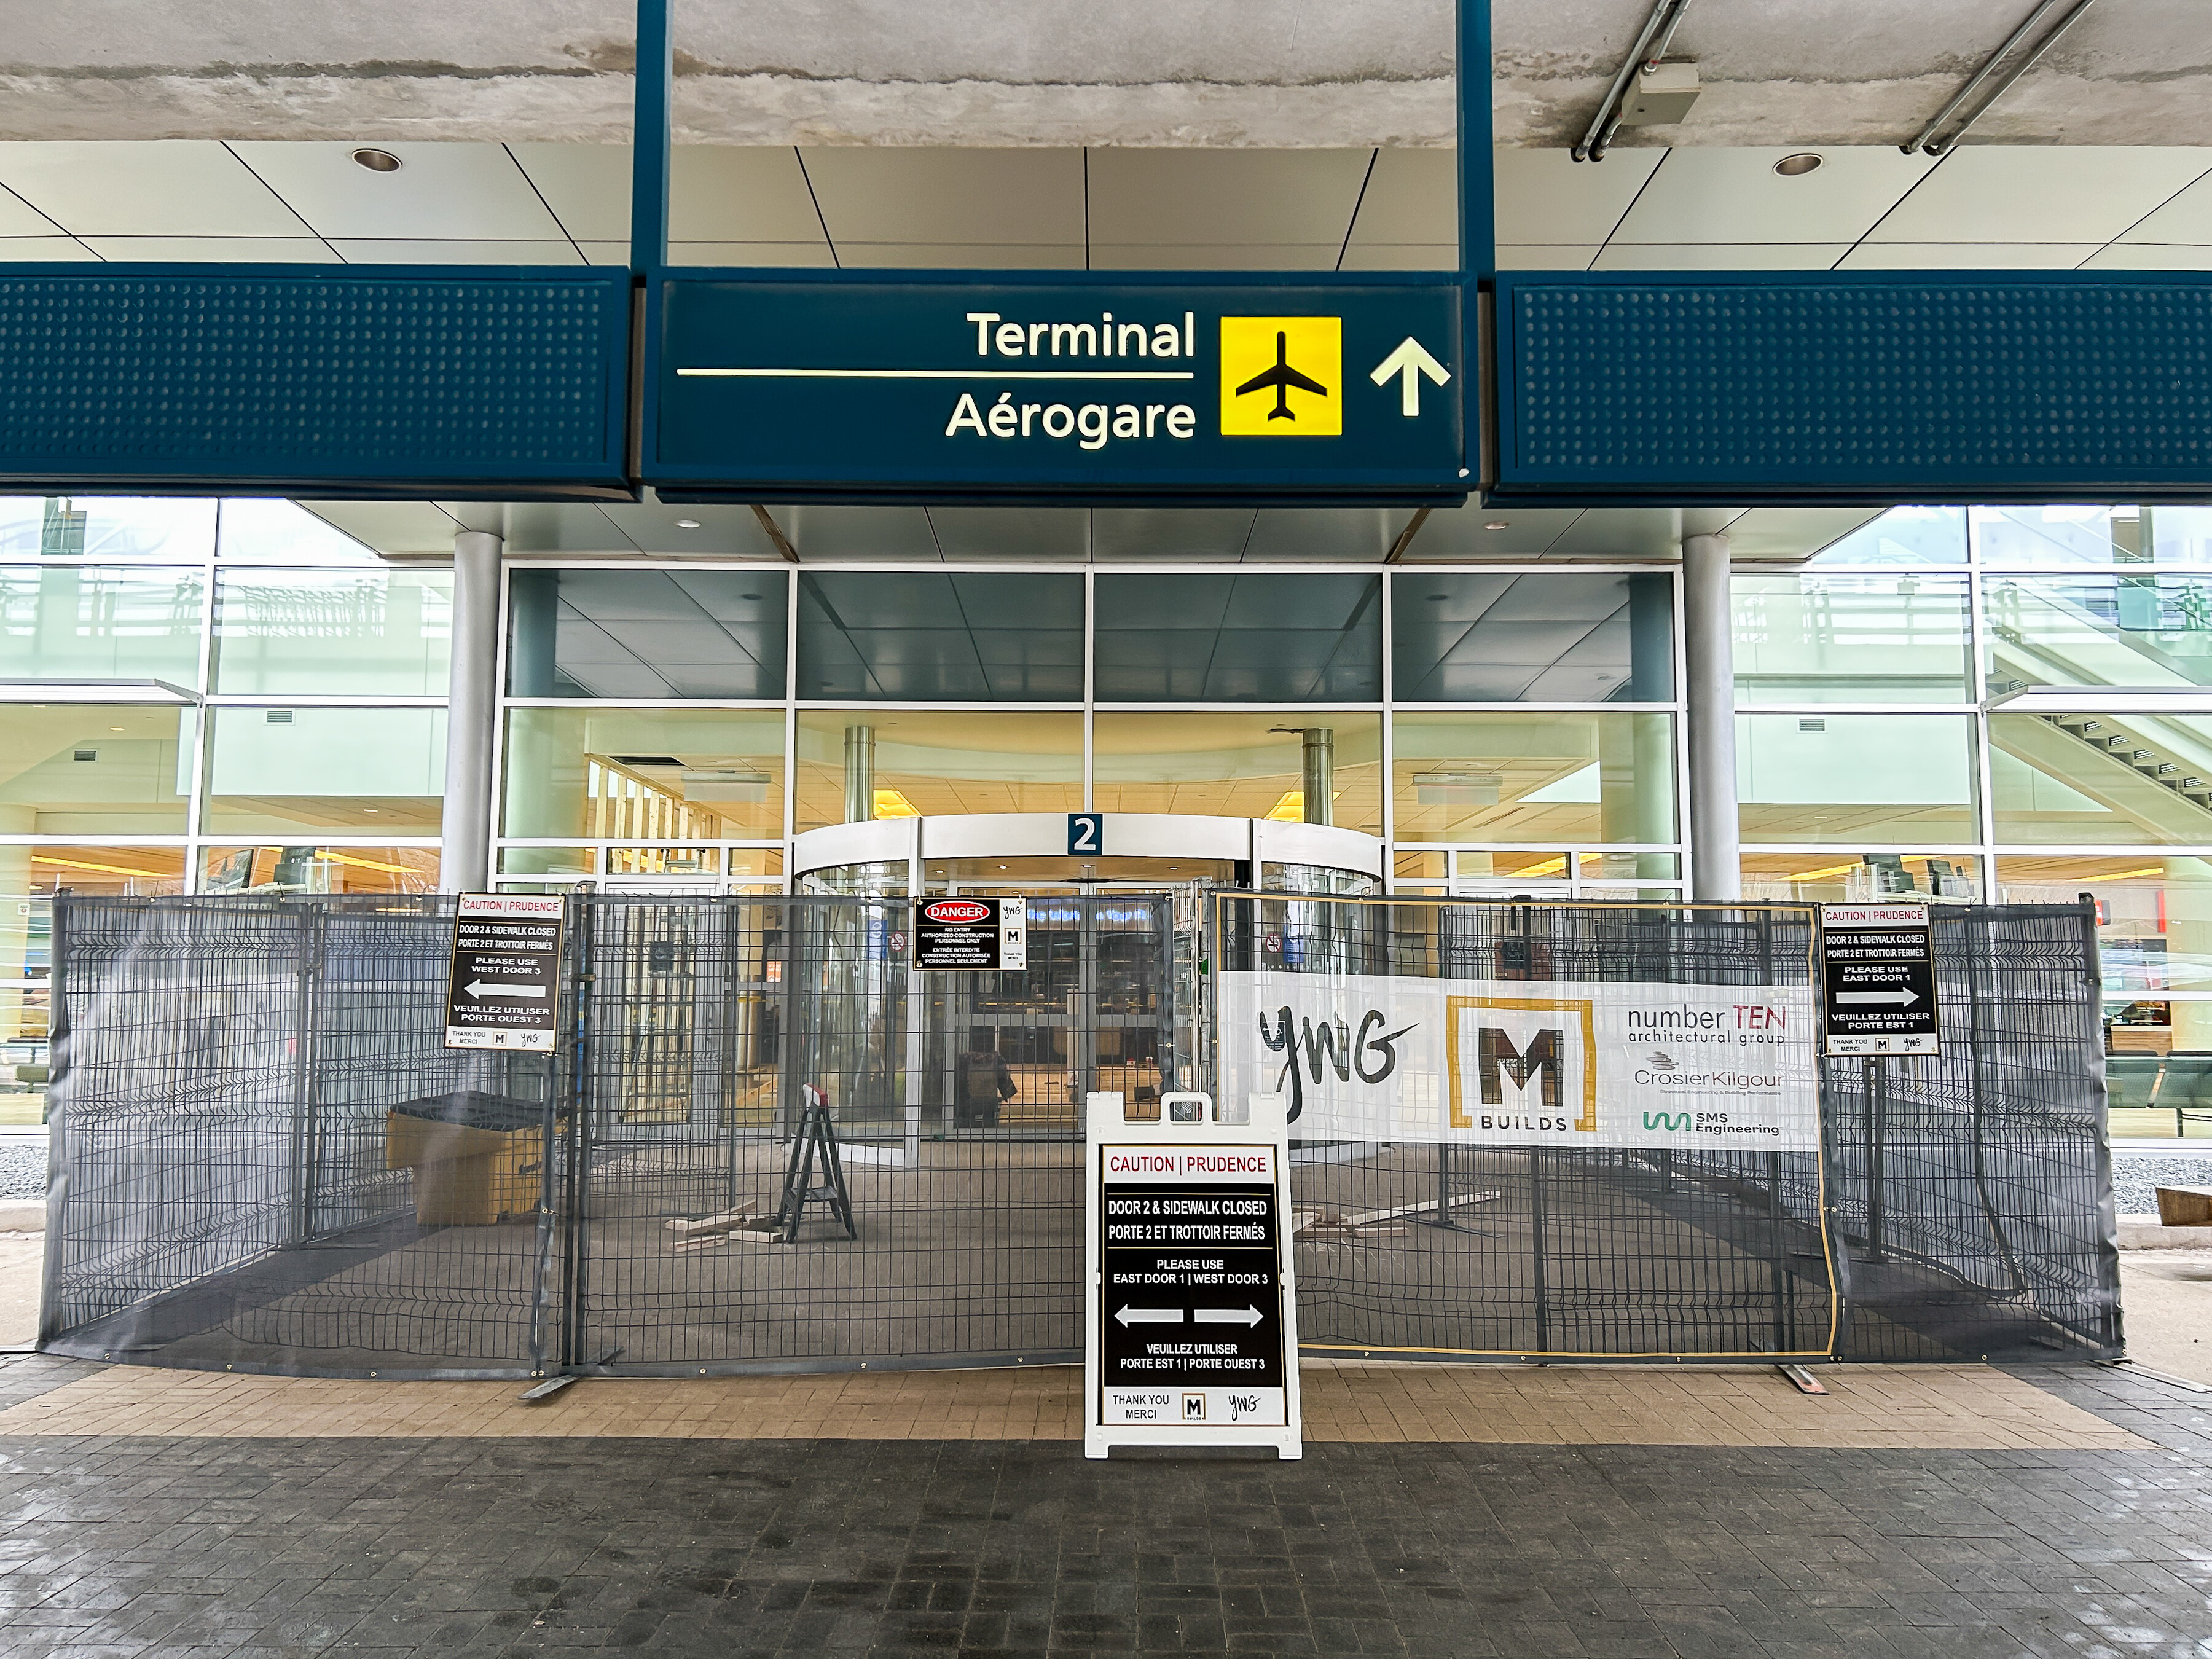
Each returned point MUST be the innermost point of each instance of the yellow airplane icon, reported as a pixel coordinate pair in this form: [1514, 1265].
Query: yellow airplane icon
[1284, 355]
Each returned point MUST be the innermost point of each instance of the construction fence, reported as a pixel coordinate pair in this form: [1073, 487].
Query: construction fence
[764, 1143]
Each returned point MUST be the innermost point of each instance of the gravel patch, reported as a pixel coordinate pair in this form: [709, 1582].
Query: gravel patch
[2134, 1175]
[22, 1168]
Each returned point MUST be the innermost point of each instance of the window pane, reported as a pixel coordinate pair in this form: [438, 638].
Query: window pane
[92, 769]
[646, 632]
[645, 774]
[276, 869]
[1903, 535]
[1237, 765]
[363, 770]
[94, 623]
[1463, 637]
[905, 762]
[103, 527]
[2057, 535]
[1239, 639]
[1860, 777]
[1829, 877]
[2093, 779]
[1850, 638]
[919, 636]
[1532, 777]
[2179, 535]
[132, 871]
[2097, 630]
[382, 632]
[285, 532]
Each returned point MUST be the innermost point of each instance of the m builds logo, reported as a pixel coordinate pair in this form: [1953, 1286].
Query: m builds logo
[1520, 1064]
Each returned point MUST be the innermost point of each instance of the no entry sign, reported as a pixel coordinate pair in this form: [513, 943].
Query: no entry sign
[503, 991]
[1878, 992]
[973, 934]
[1193, 1335]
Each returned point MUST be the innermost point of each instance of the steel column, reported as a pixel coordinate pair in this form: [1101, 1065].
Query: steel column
[1709, 704]
[472, 715]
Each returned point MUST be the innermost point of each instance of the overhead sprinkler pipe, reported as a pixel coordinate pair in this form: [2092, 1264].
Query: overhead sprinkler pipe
[1651, 44]
[1925, 139]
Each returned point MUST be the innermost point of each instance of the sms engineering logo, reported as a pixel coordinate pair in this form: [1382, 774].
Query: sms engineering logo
[1545, 1047]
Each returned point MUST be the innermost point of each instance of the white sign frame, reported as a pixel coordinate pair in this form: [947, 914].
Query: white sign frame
[1106, 1126]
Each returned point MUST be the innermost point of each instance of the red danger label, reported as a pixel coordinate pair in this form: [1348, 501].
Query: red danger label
[956, 911]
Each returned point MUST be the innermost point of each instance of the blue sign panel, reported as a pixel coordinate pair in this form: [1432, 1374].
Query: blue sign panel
[856, 386]
[367, 381]
[1735, 387]
[1087, 835]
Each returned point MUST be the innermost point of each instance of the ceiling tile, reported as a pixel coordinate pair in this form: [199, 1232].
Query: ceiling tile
[1464, 533]
[19, 218]
[821, 531]
[1412, 196]
[1209, 198]
[1242, 256]
[1736, 196]
[152, 188]
[2040, 193]
[1354, 534]
[1402, 256]
[1018, 196]
[44, 248]
[790, 256]
[716, 192]
[216, 250]
[1546, 256]
[1636, 532]
[724, 532]
[458, 192]
[1966, 256]
[1147, 533]
[948, 256]
[2186, 217]
[1794, 533]
[561, 252]
[1546, 196]
[392, 527]
[2143, 256]
[1720, 256]
[562, 527]
[1012, 532]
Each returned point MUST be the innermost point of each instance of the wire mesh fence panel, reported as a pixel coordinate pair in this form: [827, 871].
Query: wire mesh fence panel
[1974, 1186]
[1539, 1129]
[258, 1166]
[953, 1101]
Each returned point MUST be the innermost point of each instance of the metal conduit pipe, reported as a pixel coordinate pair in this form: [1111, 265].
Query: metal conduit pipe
[471, 715]
[1657, 35]
[859, 774]
[1709, 705]
[1925, 139]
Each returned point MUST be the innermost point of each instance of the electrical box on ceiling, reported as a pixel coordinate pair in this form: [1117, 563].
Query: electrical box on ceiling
[1660, 93]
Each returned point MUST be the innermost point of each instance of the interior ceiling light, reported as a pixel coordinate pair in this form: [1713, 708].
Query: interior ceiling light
[377, 161]
[686, 524]
[1797, 165]
[1499, 524]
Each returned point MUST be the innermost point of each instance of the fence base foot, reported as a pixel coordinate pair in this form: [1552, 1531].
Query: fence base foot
[1803, 1380]
[545, 1390]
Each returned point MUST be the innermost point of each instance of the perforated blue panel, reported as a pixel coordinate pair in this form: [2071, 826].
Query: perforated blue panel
[468, 381]
[1876, 386]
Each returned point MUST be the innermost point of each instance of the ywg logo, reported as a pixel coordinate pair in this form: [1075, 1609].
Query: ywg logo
[1519, 1064]
[1371, 1053]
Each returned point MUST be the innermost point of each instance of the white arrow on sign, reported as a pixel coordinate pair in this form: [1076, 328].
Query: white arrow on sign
[1903, 997]
[500, 987]
[1409, 361]
[1129, 1317]
[1227, 1315]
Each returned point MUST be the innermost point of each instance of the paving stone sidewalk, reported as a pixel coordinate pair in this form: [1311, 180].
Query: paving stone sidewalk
[451, 1545]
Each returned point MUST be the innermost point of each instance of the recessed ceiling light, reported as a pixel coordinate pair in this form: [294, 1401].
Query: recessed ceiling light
[115, 728]
[1499, 524]
[749, 596]
[1796, 167]
[377, 161]
[686, 524]
[1434, 598]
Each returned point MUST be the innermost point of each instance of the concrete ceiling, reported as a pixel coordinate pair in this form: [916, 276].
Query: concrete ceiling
[1270, 74]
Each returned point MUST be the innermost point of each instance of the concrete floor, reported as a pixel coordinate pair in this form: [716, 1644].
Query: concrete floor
[21, 1255]
[2166, 1297]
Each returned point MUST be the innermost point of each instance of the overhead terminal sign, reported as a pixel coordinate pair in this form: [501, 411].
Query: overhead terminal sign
[856, 387]
[1878, 992]
[503, 991]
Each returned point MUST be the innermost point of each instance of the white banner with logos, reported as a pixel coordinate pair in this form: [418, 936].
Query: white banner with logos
[1527, 1063]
